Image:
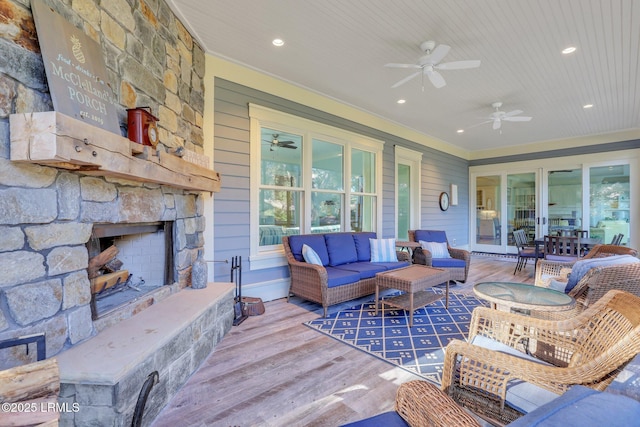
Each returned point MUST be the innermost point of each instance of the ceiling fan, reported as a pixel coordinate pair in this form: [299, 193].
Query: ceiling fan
[497, 117]
[275, 142]
[429, 64]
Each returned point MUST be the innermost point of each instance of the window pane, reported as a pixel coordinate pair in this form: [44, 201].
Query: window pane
[609, 203]
[565, 201]
[325, 212]
[363, 171]
[363, 213]
[488, 189]
[327, 166]
[281, 156]
[279, 215]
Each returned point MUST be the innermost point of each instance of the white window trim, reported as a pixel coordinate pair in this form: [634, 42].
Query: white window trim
[273, 256]
[413, 159]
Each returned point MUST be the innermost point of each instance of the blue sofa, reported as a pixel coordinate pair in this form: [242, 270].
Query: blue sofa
[346, 272]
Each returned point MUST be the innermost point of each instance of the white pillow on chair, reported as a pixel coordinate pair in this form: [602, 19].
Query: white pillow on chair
[437, 249]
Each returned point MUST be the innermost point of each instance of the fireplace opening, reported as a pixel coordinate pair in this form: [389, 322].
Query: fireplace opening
[128, 261]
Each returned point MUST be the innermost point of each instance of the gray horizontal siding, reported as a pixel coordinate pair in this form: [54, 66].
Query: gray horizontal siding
[231, 155]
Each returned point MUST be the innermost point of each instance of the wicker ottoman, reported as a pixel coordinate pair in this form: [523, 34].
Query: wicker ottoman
[413, 281]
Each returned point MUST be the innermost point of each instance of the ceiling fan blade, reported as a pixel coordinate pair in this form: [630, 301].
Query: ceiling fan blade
[438, 53]
[395, 65]
[496, 124]
[436, 79]
[458, 65]
[406, 79]
[517, 119]
[513, 113]
[288, 146]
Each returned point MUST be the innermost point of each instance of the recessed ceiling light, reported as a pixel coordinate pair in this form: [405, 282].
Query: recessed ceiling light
[460, 131]
[278, 42]
[401, 101]
[587, 106]
[568, 50]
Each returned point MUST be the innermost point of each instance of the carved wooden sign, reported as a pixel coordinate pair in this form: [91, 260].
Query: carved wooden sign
[76, 71]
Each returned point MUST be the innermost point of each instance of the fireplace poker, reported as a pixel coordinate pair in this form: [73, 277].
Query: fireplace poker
[236, 272]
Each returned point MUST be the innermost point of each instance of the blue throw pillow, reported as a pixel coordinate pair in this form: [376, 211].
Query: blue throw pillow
[310, 255]
[383, 250]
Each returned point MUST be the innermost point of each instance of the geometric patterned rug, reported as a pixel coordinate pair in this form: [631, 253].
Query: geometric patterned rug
[418, 349]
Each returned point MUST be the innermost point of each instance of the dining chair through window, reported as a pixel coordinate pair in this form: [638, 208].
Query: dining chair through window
[562, 248]
[525, 250]
[617, 239]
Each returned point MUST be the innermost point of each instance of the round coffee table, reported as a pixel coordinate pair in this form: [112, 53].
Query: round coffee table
[521, 296]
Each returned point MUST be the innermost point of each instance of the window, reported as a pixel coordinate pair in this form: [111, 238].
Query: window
[307, 177]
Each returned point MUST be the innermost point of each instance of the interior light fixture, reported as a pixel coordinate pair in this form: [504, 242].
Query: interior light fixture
[585, 106]
[568, 50]
[401, 101]
[460, 131]
[278, 42]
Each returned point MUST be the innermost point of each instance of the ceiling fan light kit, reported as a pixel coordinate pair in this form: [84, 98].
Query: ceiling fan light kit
[429, 64]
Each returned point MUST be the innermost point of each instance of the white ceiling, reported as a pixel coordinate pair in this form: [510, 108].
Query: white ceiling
[339, 47]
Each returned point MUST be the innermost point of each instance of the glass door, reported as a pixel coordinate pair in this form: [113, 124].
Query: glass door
[521, 205]
[564, 202]
[488, 213]
[609, 203]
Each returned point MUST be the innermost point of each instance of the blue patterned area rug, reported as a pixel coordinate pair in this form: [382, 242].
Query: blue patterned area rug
[418, 349]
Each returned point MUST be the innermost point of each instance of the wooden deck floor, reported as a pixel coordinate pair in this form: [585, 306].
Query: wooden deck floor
[273, 371]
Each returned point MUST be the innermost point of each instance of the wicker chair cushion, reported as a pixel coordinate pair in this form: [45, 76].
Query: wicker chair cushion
[362, 245]
[580, 268]
[337, 276]
[310, 255]
[383, 250]
[521, 395]
[431, 236]
[341, 248]
[586, 407]
[448, 263]
[315, 241]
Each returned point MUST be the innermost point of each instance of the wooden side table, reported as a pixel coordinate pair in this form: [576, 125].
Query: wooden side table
[413, 281]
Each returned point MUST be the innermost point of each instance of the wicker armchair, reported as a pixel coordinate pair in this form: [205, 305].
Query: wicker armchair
[595, 283]
[589, 349]
[426, 258]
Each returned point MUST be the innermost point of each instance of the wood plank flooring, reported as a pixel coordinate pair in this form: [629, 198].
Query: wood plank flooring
[271, 370]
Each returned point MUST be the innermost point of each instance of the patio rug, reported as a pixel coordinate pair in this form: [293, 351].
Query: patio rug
[418, 349]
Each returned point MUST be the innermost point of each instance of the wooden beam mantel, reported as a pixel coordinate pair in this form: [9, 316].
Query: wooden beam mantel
[54, 139]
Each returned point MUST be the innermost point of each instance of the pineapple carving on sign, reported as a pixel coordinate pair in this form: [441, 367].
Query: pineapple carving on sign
[76, 72]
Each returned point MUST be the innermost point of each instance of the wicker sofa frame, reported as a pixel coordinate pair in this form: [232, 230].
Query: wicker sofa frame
[589, 349]
[310, 282]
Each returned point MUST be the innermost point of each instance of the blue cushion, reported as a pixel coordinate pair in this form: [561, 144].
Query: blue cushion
[310, 255]
[315, 241]
[430, 235]
[447, 263]
[341, 248]
[521, 395]
[362, 245]
[585, 407]
[581, 267]
[337, 276]
[394, 265]
[366, 270]
[386, 419]
[383, 250]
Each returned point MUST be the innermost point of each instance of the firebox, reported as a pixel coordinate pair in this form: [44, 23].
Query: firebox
[128, 261]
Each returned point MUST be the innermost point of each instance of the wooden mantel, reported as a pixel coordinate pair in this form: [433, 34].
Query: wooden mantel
[54, 139]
